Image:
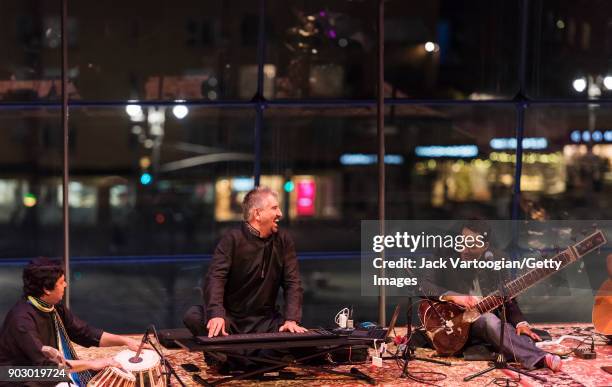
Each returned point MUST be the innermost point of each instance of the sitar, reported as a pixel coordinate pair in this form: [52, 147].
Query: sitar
[448, 324]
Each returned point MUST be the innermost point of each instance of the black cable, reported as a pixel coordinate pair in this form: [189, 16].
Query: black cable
[413, 375]
[602, 336]
[398, 363]
[576, 348]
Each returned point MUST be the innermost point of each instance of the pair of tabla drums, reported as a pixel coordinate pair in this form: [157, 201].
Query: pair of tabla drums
[146, 373]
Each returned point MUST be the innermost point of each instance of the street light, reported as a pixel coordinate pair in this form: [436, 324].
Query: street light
[180, 111]
[593, 84]
[579, 84]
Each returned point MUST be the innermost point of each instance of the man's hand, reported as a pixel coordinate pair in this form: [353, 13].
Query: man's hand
[291, 326]
[100, 364]
[133, 345]
[465, 301]
[216, 326]
[525, 329]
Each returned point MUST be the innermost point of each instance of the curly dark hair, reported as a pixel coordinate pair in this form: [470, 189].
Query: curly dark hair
[479, 226]
[41, 274]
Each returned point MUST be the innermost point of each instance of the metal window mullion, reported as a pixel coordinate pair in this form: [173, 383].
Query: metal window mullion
[333, 103]
[380, 128]
[259, 98]
[520, 124]
[521, 105]
[65, 151]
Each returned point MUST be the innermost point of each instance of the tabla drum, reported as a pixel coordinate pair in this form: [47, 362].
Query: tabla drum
[112, 377]
[148, 372]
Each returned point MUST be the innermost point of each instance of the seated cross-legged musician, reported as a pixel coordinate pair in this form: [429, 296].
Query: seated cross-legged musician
[249, 267]
[40, 319]
[468, 287]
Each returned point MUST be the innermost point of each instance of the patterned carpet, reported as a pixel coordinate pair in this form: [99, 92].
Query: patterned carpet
[576, 372]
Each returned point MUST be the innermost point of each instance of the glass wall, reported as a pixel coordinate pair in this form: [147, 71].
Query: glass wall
[168, 132]
[30, 214]
[449, 164]
[316, 158]
[30, 68]
[153, 184]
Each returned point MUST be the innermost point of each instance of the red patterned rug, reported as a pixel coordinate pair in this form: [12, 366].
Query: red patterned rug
[576, 372]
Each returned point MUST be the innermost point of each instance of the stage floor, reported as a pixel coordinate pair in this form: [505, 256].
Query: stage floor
[576, 372]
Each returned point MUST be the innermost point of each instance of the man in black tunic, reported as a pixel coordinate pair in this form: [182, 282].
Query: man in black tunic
[40, 319]
[249, 266]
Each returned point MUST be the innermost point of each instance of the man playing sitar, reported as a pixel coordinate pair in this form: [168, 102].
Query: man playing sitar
[466, 299]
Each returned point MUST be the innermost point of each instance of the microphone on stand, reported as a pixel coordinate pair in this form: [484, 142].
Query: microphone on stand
[136, 358]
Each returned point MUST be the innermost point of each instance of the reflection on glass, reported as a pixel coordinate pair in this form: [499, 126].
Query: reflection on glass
[452, 49]
[571, 178]
[322, 49]
[184, 50]
[30, 161]
[569, 47]
[459, 162]
[144, 178]
[30, 60]
[328, 177]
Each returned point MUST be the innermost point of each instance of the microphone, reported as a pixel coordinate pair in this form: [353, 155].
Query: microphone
[488, 255]
[136, 358]
[360, 375]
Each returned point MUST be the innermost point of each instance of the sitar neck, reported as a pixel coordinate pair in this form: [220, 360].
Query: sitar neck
[518, 285]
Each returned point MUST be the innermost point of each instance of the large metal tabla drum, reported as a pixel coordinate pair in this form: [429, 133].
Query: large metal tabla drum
[112, 377]
[148, 372]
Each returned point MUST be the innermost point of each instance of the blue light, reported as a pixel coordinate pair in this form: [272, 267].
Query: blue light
[575, 136]
[608, 135]
[394, 159]
[447, 151]
[242, 184]
[369, 159]
[528, 143]
[586, 136]
[357, 159]
[597, 136]
[146, 178]
[535, 143]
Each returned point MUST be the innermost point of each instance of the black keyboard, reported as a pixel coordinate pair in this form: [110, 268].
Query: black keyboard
[266, 337]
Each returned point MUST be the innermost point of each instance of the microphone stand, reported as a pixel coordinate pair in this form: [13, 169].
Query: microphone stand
[136, 358]
[169, 370]
[500, 361]
[409, 349]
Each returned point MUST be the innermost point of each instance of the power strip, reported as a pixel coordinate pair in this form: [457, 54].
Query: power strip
[585, 353]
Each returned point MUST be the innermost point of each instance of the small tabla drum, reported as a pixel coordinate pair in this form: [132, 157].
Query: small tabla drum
[113, 377]
[148, 372]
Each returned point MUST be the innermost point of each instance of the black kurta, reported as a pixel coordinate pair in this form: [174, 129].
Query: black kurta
[26, 330]
[245, 276]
